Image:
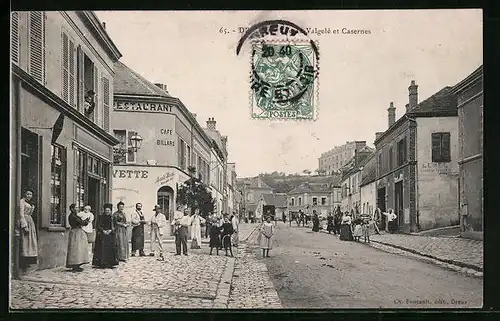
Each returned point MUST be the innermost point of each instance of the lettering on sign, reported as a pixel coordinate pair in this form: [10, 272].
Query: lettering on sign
[164, 131]
[165, 178]
[439, 168]
[143, 107]
[165, 142]
[128, 173]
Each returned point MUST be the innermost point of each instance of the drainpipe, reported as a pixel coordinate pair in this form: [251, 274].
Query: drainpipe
[17, 178]
[416, 174]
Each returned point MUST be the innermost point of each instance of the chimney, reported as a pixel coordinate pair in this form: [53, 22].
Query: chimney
[224, 141]
[194, 115]
[413, 95]
[378, 134]
[161, 86]
[391, 114]
[211, 123]
[104, 25]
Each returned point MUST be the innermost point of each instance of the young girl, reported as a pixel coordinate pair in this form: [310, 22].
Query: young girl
[266, 236]
[366, 227]
[357, 233]
[214, 232]
[227, 231]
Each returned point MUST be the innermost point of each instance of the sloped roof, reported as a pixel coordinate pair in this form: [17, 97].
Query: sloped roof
[258, 182]
[337, 180]
[311, 188]
[269, 199]
[369, 172]
[251, 207]
[280, 200]
[127, 81]
[443, 100]
[351, 168]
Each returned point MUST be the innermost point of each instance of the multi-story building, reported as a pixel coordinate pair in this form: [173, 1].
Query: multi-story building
[252, 189]
[368, 188]
[470, 132]
[351, 181]
[62, 87]
[172, 141]
[278, 200]
[336, 158]
[417, 155]
[218, 166]
[311, 196]
[231, 188]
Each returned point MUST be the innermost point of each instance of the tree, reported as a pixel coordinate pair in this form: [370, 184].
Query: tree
[195, 195]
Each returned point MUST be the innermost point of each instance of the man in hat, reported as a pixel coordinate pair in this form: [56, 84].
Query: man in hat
[182, 234]
[158, 223]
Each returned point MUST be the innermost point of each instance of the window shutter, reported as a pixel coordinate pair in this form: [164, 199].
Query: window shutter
[97, 96]
[80, 85]
[105, 102]
[445, 147]
[15, 37]
[36, 65]
[72, 73]
[65, 68]
[436, 146]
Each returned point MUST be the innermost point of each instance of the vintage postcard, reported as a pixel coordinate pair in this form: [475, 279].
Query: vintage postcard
[246, 159]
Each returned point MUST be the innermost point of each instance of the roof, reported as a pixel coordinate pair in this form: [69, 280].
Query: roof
[269, 199]
[369, 172]
[258, 182]
[443, 100]
[474, 77]
[337, 180]
[127, 81]
[312, 188]
[351, 168]
[251, 207]
[280, 200]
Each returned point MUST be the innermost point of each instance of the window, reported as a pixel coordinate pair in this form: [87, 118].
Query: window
[315, 201]
[380, 164]
[292, 202]
[92, 176]
[441, 147]
[15, 37]
[182, 154]
[300, 201]
[401, 151]
[390, 158]
[323, 201]
[36, 45]
[119, 152]
[105, 103]
[131, 153]
[69, 88]
[88, 87]
[188, 156]
[57, 185]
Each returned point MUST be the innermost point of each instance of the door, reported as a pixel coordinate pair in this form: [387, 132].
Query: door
[164, 198]
[398, 197]
[381, 206]
[94, 195]
[30, 169]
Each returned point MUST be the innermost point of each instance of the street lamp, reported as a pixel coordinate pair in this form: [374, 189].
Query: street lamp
[136, 142]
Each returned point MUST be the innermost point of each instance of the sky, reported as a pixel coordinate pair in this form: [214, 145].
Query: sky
[359, 74]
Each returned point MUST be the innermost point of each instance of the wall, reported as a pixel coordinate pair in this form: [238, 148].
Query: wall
[368, 198]
[307, 200]
[437, 182]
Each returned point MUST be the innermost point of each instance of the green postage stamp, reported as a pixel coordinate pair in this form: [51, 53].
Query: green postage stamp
[284, 80]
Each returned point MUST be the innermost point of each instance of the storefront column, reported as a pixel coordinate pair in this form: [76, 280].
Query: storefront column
[16, 190]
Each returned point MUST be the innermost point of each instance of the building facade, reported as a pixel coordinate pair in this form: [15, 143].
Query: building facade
[310, 196]
[416, 157]
[231, 188]
[172, 142]
[351, 181]
[333, 160]
[62, 87]
[252, 190]
[470, 131]
[368, 189]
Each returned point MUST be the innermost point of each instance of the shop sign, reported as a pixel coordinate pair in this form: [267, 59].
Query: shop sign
[165, 142]
[128, 173]
[143, 107]
[165, 178]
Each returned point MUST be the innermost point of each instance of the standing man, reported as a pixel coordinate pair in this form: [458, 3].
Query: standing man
[158, 223]
[182, 232]
[138, 222]
[234, 222]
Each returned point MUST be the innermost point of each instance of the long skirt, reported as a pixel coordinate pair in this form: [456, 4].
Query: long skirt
[105, 252]
[345, 232]
[329, 227]
[265, 242]
[78, 248]
[29, 243]
[138, 238]
[122, 243]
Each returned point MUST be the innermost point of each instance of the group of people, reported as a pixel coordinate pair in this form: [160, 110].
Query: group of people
[223, 233]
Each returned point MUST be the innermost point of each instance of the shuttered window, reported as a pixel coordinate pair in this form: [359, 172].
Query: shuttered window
[79, 78]
[97, 95]
[105, 102]
[72, 73]
[69, 85]
[15, 37]
[441, 147]
[65, 67]
[36, 44]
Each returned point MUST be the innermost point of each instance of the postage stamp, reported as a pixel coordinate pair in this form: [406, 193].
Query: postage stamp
[284, 80]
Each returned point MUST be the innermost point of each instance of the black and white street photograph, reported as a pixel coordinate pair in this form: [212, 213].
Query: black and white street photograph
[238, 159]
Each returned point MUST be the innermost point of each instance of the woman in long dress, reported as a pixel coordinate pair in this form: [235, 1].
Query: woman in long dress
[345, 228]
[105, 251]
[121, 233]
[329, 223]
[196, 230]
[27, 231]
[266, 236]
[78, 253]
[315, 221]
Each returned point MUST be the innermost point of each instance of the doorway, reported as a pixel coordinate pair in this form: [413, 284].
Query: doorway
[30, 169]
[381, 206]
[94, 195]
[398, 197]
[164, 198]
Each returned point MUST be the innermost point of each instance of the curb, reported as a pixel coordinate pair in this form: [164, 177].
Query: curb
[445, 261]
[224, 289]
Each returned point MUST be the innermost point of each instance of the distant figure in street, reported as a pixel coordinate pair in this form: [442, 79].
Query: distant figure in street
[158, 222]
[214, 233]
[235, 223]
[283, 217]
[329, 223]
[181, 241]
[291, 217]
[358, 231]
[337, 221]
[345, 228]
[366, 227]
[86, 214]
[266, 237]
[121, 232]
[315, 221]
[138, 222]
[391, 221]
[105, 251]
[227, 231]
[302, 218]
[78, 248]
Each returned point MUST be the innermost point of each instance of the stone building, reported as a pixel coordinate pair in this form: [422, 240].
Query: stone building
[172, 141]
[311, 196]
[417, 157]
[252, 189]
[470, 132]
[333, 160]
[367, 186]
[62, 90]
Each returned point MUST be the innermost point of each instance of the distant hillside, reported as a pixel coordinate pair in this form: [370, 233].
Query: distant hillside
[285, 183]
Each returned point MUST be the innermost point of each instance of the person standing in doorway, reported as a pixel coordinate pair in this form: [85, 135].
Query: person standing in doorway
[391, 221]
[27, 231]
[106, 251]
[158, 223]
[181, 241]
[86, 214]
[138, 222]
[121, 232]
[266, 236]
